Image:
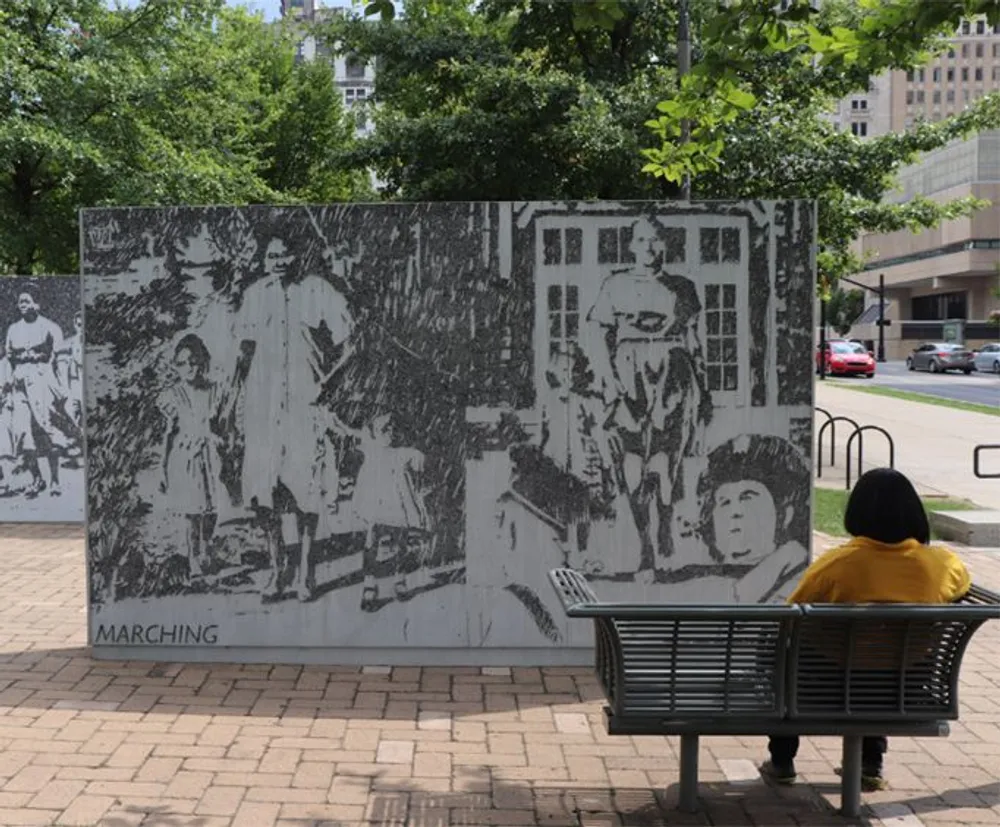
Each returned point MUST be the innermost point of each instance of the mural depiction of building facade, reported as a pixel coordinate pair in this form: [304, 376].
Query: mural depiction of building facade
[41, 396]
[377, 428]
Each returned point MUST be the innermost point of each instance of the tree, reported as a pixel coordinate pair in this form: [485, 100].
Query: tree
[530, 99]
[843, 307]
[170, 102]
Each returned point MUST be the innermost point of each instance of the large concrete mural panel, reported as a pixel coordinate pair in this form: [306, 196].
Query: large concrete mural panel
[41, 433]
[367, 432]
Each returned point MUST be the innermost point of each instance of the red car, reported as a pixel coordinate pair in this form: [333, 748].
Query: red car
[845, 358]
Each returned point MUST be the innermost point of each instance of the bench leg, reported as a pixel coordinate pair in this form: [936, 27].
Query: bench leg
[850, 781]
[689, 773]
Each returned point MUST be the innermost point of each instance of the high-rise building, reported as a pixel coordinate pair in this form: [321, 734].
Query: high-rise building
[354, 77]
[895, 101]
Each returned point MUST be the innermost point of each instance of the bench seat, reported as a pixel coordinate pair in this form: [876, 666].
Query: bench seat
[836, 670]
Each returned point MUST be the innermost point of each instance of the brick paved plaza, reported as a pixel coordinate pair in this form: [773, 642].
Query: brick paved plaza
[85, 742]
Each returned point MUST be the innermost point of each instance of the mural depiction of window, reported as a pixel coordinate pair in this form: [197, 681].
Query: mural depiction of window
[721, 346]
[720, 245]
[614, 245]
[564, 319]
[563, 246]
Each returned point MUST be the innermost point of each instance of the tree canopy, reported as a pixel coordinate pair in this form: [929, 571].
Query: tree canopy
[169, 102]
[533, 99]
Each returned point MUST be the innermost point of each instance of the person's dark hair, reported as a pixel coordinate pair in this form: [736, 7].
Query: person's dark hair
[774, 463]
[885, 507]
[200, 357]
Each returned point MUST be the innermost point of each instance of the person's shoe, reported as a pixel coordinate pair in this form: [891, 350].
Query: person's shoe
[872, 780]
[779, 773]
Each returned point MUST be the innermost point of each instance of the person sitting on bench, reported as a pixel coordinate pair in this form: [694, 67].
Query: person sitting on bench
[887, 560]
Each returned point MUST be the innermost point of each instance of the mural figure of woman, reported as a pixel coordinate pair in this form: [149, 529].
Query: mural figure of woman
[69, 368]
[389, 504]
[31, 345]
[190, 469]
[755, 512]
[297, 328]
[656, 401]
[8, 445]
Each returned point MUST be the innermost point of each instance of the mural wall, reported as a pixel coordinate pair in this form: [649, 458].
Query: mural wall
[41, 427]
[380, 426]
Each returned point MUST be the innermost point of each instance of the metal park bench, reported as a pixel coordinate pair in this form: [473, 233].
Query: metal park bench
[839, 670]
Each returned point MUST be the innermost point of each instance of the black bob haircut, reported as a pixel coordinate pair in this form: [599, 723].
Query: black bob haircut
[884, 506]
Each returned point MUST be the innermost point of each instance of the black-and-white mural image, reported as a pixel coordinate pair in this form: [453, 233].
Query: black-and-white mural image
[381, 425]
[41, 399]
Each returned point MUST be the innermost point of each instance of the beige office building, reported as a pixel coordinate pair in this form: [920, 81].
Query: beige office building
[949, 272]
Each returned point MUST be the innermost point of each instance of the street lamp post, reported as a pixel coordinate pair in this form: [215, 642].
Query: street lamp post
[882, 322]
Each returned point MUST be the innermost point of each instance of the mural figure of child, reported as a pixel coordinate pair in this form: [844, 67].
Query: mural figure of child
[389, 503]
[755, 512]
[190, 470]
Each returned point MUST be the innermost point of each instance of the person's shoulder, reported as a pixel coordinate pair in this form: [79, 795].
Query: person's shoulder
[836, 557]
[943, 555]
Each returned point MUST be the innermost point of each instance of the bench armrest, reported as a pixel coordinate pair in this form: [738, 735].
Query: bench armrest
[979, 596]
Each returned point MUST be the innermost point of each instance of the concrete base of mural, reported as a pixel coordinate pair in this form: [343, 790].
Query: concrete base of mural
[350, 656]
[365, 433]
[41, 400]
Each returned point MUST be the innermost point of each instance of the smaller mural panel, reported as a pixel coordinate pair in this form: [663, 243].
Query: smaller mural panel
[41, 412]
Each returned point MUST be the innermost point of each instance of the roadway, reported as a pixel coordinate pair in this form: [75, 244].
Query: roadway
[981, 388]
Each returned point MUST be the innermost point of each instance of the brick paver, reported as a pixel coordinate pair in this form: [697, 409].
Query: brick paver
[85, 742]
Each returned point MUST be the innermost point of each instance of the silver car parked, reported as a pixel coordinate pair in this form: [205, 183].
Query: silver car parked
[938, 357]
[987, 358]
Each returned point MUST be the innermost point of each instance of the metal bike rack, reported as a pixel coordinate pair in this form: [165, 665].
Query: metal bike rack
[830, 423]
[975, 461]
[859, 433]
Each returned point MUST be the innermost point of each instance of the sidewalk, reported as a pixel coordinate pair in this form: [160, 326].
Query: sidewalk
[86, 742]
[934, 444]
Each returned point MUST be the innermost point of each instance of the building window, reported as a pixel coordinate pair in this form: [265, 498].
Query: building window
[939, 307]
[614, 245]
[563, 246]
[910, 76]
[354, 67]
[979, 73]
[965, 73]
[937, 96]
[921, 75]
[909, 98]
[859, 129]
[951, 54]
[564, 319]
[965, 95]
[996, 73]
[966, 27]
[996, 49]
[355, 95]
[936, 75]
[965, 50]
[950, 96]
[719, 245]
[980, 27]
[950, 75]
[721, 341]
[980, 49]
[920, 96]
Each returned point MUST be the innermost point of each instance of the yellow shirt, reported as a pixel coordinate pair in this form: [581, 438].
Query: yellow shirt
[866, 571]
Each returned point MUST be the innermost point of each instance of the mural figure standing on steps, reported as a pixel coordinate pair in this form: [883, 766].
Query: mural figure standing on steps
[31, 348]
[656, 400]
[298, 326]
